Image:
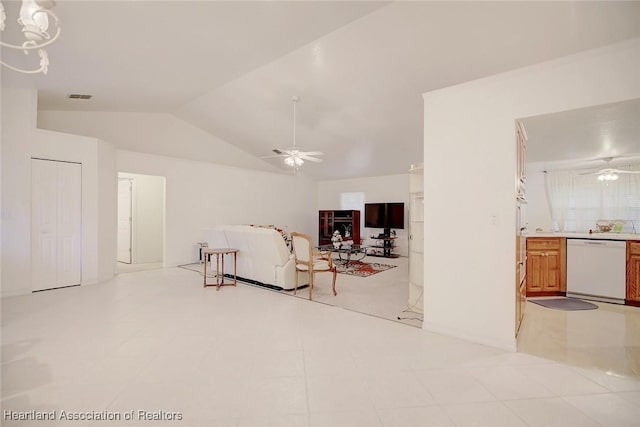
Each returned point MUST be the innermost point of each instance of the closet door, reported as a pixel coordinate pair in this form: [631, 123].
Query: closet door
[69, 224]
[44, 227]
[55, 224]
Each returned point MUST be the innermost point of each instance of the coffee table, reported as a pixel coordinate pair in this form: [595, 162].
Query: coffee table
[346, 254]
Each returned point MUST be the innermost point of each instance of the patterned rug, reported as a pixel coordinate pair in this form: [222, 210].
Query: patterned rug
[362, 269]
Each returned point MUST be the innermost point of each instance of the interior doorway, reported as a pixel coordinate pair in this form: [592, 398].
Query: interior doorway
[571, 142]
[141, 212]
[125, 217]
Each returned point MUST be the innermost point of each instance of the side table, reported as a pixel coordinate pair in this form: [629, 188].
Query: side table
[220, 253]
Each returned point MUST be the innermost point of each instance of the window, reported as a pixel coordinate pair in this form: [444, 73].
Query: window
[578, 201]
[352, 201]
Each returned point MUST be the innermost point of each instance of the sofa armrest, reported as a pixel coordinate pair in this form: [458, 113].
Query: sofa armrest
[286, 275]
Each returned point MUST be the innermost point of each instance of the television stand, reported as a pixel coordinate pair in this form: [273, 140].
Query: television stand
[386, 250]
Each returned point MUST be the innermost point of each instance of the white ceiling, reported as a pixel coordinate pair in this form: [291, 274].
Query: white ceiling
[586, 134]
[359, 67]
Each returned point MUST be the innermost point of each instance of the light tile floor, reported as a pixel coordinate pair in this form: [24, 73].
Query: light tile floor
[122, 267]
[385, 294]
[157, 341]
[607, 338]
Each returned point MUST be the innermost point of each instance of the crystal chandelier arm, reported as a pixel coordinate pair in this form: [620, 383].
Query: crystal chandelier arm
[44, 65]
[31, 45]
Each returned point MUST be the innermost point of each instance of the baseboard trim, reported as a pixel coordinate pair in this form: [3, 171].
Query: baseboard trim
[510, 346]
[595, 298]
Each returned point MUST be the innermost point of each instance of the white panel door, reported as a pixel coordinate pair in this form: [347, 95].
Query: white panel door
[124, 220]
[69, 224]
[44, 230]
[56, 224]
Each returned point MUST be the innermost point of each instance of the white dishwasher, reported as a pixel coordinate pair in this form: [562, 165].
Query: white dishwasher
[596, 269]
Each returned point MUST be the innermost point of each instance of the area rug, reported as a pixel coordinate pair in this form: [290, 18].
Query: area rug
[566, 304]
[362, 269]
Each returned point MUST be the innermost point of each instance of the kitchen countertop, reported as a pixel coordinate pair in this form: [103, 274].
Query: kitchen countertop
[605, 236]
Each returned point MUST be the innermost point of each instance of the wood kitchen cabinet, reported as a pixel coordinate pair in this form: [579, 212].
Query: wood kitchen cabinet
[521, 279]
[521, 299]
[546, 266]
[521, 172]
[633, 273]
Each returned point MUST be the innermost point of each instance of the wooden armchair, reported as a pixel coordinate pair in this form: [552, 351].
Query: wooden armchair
[309, 262]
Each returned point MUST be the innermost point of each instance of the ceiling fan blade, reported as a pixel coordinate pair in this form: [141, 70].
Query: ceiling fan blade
[624, 171]
[309, 158]
[287, 152]
[609, 170]
[312, 153]
[274, 156]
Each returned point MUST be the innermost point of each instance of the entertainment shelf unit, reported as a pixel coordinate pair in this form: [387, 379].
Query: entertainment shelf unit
[385, 250]
[342, 220]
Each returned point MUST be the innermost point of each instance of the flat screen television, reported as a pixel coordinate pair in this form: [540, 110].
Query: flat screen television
[374, 215]
[395, 215]
[384, 215]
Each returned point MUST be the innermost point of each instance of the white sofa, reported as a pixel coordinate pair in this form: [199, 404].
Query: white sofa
[263, 255]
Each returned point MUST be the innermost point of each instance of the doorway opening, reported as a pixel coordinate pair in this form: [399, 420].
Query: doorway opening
[141, 214]
[565, 154]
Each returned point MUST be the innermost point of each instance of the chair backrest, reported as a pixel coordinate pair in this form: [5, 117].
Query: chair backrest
[302, 249]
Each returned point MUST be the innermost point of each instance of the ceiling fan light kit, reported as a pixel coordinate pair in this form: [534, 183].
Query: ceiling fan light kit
[608, 174]
[293, 156]
[293, 161]
[34, 18]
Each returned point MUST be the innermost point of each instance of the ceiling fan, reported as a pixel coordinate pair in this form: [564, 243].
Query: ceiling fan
[608, 173]
[294, 156]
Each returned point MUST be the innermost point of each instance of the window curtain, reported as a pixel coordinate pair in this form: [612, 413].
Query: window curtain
[578, 201]
[559, 187]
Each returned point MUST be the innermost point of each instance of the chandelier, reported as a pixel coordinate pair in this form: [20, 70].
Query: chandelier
[34, 18]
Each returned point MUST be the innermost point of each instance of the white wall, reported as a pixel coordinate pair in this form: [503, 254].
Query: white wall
[389, 188]
[470, 267]
[20, 142]
[538, 214]
[200, 191]
[162, 134]
[107, 210]
[1, 211]
[200, 195]
[147, 210]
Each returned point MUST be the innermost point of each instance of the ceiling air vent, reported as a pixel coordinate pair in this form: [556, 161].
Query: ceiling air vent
[79, 96]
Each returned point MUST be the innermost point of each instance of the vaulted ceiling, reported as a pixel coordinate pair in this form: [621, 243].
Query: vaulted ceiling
[360, 68]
